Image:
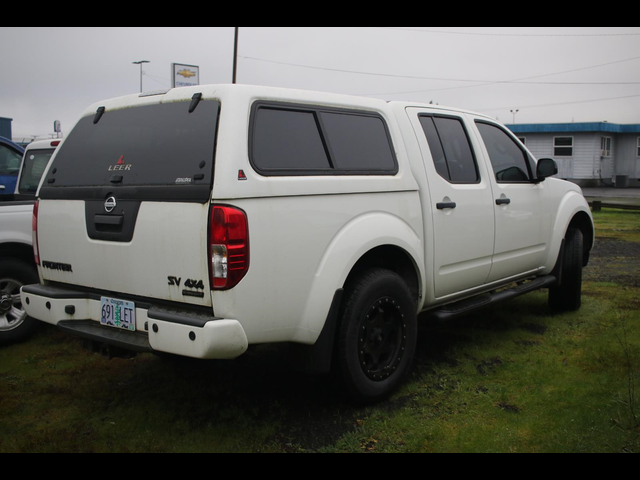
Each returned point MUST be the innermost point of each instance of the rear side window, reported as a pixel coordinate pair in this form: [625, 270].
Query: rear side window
[35, 163]
[288, 140]
[301, 140]
[155, 145]
[450, 148]
[509, 161]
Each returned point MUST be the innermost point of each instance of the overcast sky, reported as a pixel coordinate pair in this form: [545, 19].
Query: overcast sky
[549, 74]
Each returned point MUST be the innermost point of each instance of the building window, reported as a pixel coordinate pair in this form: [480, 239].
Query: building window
[638, 149]
[605, 146]
[523, 140]
[563, 146]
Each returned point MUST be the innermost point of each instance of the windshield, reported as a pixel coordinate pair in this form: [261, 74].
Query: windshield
[9, 161]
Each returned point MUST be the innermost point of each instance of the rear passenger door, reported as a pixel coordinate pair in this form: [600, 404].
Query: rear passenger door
[522, 221]
[460, 199]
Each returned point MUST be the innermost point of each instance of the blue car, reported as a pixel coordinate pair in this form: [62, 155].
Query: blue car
[10, 161]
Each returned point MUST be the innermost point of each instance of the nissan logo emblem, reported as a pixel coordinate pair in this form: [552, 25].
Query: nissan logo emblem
[110, 204]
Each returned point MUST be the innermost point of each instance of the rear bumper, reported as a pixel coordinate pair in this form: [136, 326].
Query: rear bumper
[178, 332]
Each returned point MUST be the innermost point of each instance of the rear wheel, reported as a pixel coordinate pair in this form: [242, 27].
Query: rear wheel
[377, 335]
[14, 323]
[568, 295]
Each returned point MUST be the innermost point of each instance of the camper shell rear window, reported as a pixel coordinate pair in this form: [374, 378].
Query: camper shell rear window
[160, 145]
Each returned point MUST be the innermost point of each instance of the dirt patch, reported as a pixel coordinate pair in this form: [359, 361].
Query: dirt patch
[488, 366]
[614, 261]
[533, 328]
[508, 408]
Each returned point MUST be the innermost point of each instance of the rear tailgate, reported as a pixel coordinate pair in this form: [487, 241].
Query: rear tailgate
[124, 206]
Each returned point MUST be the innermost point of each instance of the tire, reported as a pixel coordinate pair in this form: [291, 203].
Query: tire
[567, 297]
[14, 323]
[376, 336]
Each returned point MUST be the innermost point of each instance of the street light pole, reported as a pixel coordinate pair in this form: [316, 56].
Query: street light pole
[513, 112]
[140, 62]
[235, 55]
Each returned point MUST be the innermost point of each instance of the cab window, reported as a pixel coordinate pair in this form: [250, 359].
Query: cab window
[450, 149]
[510, 162]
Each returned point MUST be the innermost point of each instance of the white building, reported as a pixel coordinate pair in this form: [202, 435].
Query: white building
[587, 153]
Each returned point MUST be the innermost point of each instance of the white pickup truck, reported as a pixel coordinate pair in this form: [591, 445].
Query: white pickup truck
[17, 267]
[199, 221]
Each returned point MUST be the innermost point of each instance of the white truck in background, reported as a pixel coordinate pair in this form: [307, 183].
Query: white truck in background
[200, 221]
[17, 265]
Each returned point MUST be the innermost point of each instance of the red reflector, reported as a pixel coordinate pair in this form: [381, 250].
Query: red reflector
[228, 247]
[55, 143]
[34, 231]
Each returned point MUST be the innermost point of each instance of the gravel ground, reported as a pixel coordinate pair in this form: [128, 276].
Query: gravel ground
[614, 261]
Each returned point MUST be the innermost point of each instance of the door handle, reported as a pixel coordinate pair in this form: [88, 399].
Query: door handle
[445, 205]
[503, 201]
[115, 220]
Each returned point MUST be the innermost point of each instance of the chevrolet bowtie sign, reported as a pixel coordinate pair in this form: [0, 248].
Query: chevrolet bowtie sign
[184, 75]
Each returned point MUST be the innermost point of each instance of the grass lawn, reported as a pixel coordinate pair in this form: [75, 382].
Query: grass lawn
[513, 378]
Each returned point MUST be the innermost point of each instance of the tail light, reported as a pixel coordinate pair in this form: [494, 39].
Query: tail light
[34, 232]
[228, 247]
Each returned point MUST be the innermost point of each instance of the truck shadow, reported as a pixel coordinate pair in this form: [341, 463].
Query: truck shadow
[440, 343]
[261, 392]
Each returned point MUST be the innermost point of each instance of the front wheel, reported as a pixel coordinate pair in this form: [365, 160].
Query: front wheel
[377, 335]
[568, 296]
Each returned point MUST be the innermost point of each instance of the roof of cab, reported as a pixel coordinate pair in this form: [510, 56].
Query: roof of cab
[228, 91]
[40, 144]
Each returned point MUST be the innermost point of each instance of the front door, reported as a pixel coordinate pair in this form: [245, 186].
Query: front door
[522, 221]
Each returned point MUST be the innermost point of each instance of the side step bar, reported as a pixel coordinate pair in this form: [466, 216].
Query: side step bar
[463, 307]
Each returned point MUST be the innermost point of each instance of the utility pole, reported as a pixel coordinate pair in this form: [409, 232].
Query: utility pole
[235, 55]
[140, 62]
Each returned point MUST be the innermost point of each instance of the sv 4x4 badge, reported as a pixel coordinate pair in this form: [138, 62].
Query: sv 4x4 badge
[191, 286]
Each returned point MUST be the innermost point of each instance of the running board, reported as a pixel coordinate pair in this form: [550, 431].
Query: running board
[463, 307]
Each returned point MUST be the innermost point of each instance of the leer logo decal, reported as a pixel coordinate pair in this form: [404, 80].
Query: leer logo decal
[120, 165]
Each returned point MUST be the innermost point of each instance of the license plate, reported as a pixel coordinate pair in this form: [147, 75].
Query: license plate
[118, 313]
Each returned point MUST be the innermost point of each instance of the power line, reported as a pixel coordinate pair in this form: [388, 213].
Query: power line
[483, 82]
[523, 80]
[413, 77]
[494, 34]
[562, 103]
[160, 80]
[328, 69]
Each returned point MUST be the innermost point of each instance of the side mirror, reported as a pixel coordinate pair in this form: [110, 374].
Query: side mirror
[547, 167]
